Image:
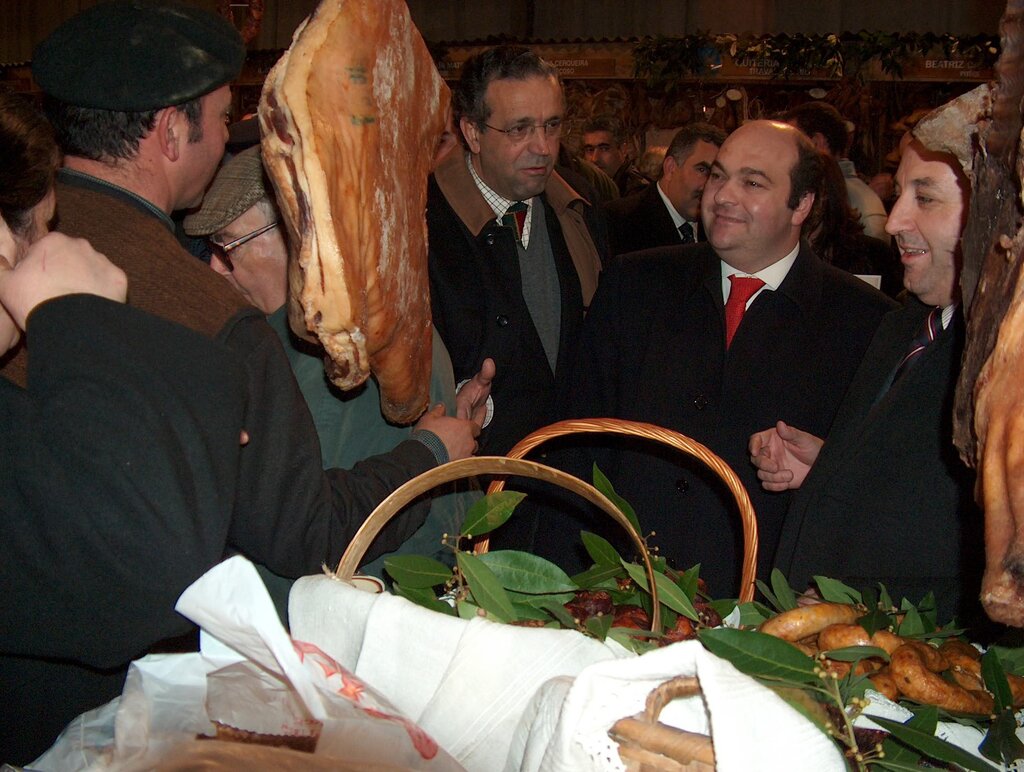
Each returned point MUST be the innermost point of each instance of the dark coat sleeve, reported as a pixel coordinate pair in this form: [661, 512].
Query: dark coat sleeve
[290, 515]
[120, 462]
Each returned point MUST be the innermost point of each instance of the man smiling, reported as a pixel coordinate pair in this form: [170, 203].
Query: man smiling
[885, 498]
[707, 339]
[513, 262]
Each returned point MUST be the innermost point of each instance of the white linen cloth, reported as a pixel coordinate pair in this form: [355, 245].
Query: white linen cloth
[503, 697]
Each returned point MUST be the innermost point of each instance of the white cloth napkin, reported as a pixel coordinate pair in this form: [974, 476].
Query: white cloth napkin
[503, 697]
[751, 727]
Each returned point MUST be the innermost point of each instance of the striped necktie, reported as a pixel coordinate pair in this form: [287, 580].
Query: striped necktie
[929, 332]
[515, 218]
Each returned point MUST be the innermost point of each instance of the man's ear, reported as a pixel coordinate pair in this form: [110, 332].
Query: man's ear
[668, 167]
[803, 209]
[471, 133]
[170, 130]
[819, 141]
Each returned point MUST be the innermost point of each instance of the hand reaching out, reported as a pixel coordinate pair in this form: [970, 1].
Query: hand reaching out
[458, 434]
[471, 399]
[783, 456]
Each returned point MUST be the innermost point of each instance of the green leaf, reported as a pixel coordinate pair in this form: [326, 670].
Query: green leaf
[912, 623]
[752, 614]
[1001, 743]
[530, 611]
[668, 592]
[884, 598]
[995, 681]
[759, 654]
[687, 581]
[560, 613]
[869, 597]
[467, 609]
[725, 606]
[423, 596]
[603, 484]
[599, 626]
[538, 601]
[523, 572]
[1012, 659]
[857, 653]
[835, 591]
[930, 745]
[783, 592]
[632, 639]
[599, 577]
[488, 513]
[600, 550]
[416, 571]
[874, 621]
[890, 762]
[487, 590]
[769, 596]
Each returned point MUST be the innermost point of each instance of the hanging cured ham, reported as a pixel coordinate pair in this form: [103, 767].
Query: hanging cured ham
[351, 117]
[989, 409]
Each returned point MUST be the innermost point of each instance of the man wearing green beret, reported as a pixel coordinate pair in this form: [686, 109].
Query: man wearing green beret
[138, 93]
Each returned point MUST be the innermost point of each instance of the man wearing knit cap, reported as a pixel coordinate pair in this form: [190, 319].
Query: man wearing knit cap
[138, 94]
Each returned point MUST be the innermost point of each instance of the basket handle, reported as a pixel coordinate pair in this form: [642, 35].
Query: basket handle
[666, 437]
[467, 467]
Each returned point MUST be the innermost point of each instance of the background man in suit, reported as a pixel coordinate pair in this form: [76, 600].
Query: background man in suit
[667, 212]
[513, 262]
[745, 324]
[885, 498]
[606, 146]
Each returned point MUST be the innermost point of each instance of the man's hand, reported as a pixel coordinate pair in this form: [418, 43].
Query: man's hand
[458, 434]
[471, 400]
[783, 456]
[55, 266]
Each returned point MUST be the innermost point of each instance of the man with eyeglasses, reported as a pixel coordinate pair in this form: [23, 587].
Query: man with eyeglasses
[239, 218]
[513, 256]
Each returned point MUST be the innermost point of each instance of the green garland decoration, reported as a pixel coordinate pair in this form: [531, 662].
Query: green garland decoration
[663, 60]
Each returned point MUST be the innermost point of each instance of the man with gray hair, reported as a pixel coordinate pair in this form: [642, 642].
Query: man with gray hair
[513, 260]
[668, 212]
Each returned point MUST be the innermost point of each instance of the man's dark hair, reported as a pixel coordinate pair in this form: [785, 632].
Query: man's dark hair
[686, 138]
[608, 123]
[111, 134]
[499, 63]
[821, 118]
[806, 174]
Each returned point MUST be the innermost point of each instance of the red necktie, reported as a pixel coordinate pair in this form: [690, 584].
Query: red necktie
[743, 288]
[515, 218]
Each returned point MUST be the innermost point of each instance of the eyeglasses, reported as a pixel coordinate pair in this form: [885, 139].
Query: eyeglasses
[523, 131]
[222, 250]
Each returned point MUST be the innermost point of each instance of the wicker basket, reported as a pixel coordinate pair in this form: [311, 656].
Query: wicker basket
[646, 745]
[666, 437]
[467, 467]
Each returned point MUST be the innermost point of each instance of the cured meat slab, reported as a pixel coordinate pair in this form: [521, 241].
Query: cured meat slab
[351, 118]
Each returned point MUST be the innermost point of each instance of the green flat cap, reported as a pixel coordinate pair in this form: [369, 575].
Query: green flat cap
[138, 55]
[239, 184]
